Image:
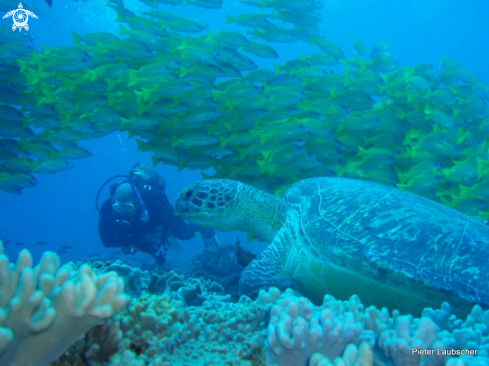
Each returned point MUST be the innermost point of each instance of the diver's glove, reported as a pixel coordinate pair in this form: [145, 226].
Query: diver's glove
[208, 233]
[160, 259]
[128, 250]
[210, 242]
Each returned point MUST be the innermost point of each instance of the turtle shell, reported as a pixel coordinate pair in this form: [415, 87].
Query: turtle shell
[393, 248]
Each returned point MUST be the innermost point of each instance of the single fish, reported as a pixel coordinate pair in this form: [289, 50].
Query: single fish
[419, 82]
[261, 50]
[281, 35]
[251, 20]
[360, 48]
[208, 4]
[329, 47]
[41, 242]
[321, 58]
[186, 25]
[448, 63]
[93, 38]
[52, 166]
[73, 153]
[380, 49]
[230, 39]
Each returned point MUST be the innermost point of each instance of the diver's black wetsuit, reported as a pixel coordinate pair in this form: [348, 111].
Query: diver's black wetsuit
[147, 236]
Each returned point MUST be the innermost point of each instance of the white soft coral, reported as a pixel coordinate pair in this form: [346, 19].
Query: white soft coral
[44, 310]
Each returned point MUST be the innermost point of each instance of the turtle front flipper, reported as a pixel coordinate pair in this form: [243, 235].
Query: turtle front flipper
[268, 269]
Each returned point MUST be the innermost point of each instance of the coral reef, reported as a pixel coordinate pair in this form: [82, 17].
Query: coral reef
[135, 280]
[217, 271]
[219, 265]
[297, 330]
[102, 342]
[352, 356]
[46, 309]
[192, 291]
[161, 331]
[283, 329]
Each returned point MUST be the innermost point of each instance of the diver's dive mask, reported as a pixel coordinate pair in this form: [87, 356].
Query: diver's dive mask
[142, 173]
[124, 208]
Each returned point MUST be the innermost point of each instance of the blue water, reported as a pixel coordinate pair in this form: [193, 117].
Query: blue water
[61, 208]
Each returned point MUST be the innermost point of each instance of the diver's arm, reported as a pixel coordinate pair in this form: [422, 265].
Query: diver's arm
[180, 229]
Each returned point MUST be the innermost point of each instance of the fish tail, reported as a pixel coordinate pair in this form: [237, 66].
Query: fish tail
[76, 38]
[155, 161]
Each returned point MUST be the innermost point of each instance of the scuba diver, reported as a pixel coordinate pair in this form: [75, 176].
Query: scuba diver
[139, 217]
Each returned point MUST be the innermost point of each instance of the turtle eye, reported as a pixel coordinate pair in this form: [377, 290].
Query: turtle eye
[189, 193]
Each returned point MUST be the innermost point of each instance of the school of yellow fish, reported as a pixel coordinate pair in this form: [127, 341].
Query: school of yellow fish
[197, 100]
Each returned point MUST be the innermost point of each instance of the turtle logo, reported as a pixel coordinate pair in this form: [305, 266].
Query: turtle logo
[20, 17]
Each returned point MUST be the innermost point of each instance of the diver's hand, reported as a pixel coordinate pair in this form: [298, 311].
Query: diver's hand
[208, 233]
[144, 219]
[128, 250]
[160, 259]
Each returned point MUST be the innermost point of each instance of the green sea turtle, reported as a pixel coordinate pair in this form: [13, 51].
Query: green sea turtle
[342, 237]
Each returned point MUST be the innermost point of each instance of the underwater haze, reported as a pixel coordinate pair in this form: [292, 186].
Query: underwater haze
[60, 209]
[278, 100]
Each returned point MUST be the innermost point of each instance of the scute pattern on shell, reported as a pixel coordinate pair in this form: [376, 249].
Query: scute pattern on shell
[387, 235]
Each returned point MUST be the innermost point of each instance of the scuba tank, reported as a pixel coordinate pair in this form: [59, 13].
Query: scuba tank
[147, 180]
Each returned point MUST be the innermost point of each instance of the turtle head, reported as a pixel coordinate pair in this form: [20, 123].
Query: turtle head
[211, 203]
[228, 205]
